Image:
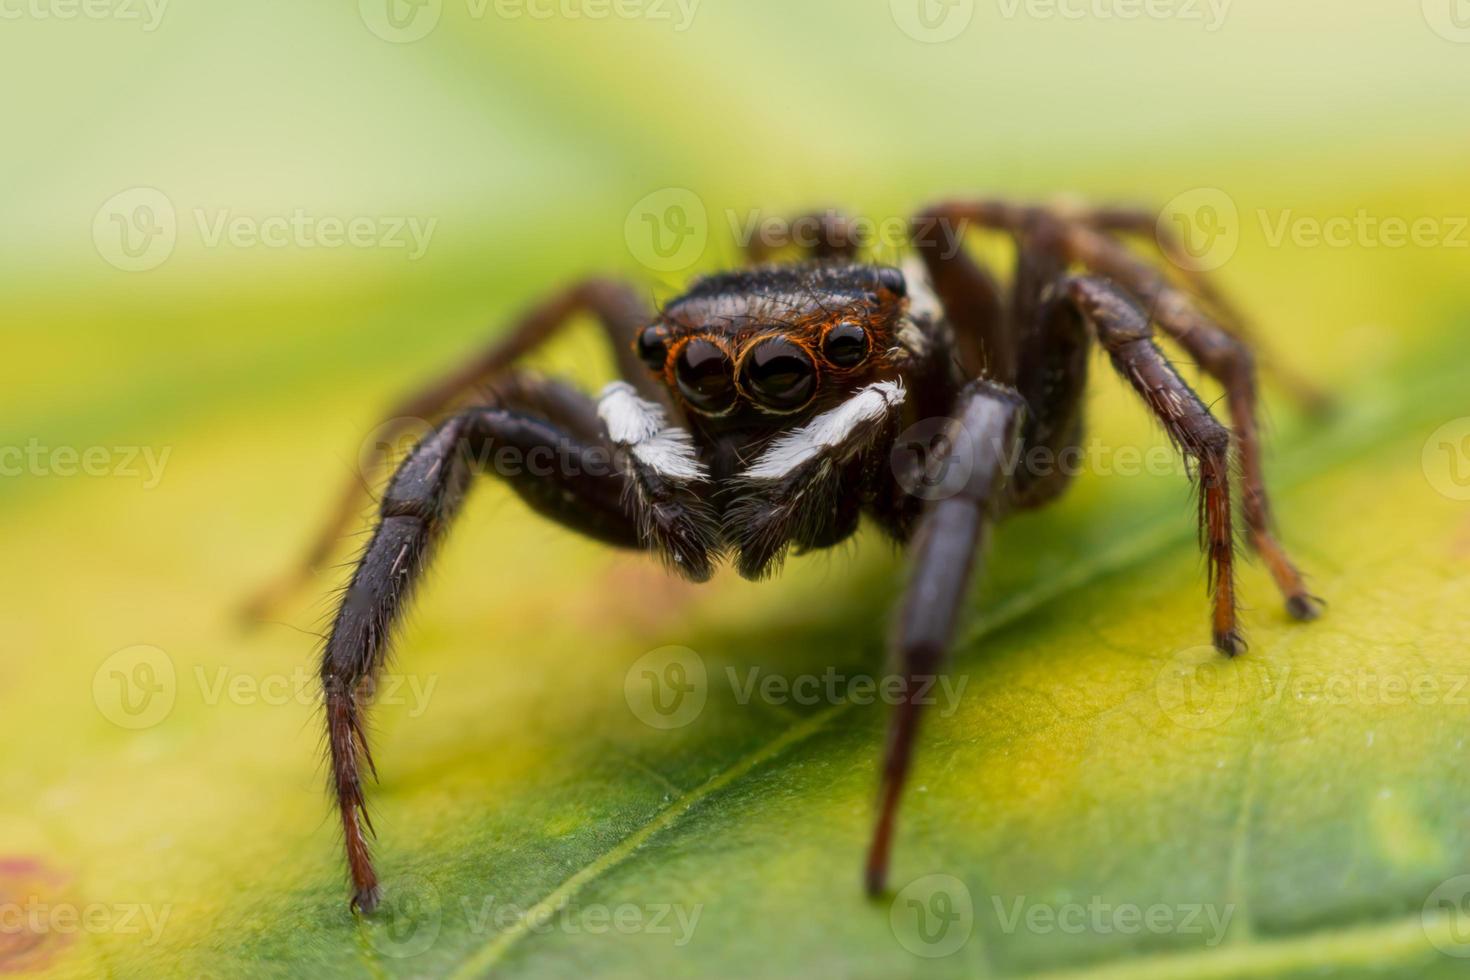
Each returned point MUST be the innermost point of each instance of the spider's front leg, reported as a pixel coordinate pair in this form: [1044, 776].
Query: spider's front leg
[559, 474]
[949, 537]
[617, 307]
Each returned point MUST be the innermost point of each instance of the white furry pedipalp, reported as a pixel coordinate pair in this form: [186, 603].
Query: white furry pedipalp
[827, 431]
[640, 426]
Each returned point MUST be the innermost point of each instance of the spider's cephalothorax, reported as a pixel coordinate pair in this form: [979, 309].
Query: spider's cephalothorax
[762, 410]
[791, 381]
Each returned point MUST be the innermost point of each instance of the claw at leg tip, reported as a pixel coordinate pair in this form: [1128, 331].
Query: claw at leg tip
[1304, 608]
[365, 902]
[1230, 643]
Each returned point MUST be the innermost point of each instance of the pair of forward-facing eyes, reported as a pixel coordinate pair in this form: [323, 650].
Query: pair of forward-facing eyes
[775, 372]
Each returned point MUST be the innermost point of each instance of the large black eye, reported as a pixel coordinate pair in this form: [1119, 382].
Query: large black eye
[705, 377]
[846, 344]
[779, 375]
[653, 346]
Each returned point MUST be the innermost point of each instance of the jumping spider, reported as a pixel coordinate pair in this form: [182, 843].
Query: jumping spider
[759, 411]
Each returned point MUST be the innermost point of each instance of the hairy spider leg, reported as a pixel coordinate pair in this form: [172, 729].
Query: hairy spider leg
[950, 535]
[1221, 355]
[822, 235]
[1126, 335]
[424, 495]
[1229, 362]
[618, 309]
[1146, 224]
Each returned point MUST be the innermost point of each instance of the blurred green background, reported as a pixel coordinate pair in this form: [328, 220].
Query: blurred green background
[224, 387]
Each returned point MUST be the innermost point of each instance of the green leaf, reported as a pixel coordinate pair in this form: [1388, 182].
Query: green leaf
[1104, 798]
[1285, 812]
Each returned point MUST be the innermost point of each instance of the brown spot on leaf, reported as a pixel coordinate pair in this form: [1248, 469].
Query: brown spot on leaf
[29, 889]
[1460, 547]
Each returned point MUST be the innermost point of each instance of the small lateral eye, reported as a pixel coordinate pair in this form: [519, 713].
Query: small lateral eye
[652, 346]
[893, 280]
[779, 375]
[705, 377]
[846, 344]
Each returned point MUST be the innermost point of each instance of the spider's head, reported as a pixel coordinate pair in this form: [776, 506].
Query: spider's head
[766, 347]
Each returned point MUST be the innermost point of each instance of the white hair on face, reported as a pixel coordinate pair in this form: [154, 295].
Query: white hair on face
[827, 431]
[640, 426]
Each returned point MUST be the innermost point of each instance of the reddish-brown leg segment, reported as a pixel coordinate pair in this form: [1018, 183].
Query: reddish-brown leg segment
[1125, 334]
[1145, 224]
[1219, 354]
[1228, 361]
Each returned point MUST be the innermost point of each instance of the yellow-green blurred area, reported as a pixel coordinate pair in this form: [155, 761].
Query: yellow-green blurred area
[1105, 798]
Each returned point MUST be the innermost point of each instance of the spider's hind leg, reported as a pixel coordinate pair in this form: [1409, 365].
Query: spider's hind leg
[1124, 331]
[1053, 346]
[975, 307]
[1229, 361]
[1230, 317]
[828, 234]
[1087, 241]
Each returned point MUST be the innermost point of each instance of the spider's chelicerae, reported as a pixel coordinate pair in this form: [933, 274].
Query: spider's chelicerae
[760, 411]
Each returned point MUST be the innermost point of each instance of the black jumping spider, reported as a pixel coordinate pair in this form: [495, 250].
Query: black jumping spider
[760, 409]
